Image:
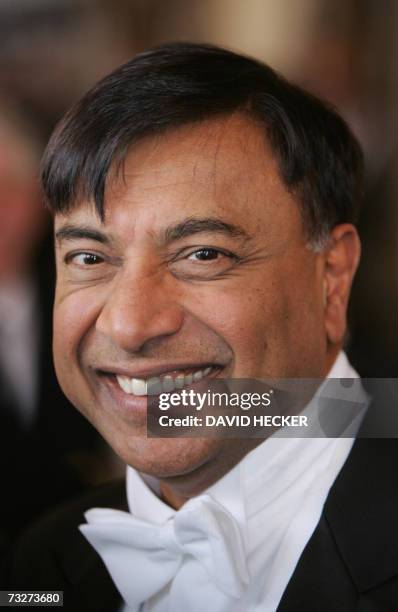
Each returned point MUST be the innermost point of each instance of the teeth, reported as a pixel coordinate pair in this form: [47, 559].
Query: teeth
[157, 385]
[125, 383]
[154, 386]
[168, 384]
[139, 386]
[179, 382]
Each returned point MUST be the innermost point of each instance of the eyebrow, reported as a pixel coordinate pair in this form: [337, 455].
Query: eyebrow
[188, 227]
[72, 232]
[193, 226]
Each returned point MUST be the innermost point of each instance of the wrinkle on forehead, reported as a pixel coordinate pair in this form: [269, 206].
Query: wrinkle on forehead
[215, 154]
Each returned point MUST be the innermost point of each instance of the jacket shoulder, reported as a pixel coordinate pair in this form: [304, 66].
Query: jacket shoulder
[52, 551]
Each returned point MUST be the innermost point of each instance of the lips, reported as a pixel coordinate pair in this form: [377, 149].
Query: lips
[165, 383]
[126, 391]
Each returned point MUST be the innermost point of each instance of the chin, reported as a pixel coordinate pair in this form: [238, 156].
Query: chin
[168, 457]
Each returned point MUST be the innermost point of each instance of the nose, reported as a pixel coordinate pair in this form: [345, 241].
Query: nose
[139, 310]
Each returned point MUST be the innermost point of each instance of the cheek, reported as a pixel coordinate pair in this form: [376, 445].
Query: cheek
[246, 318]
[258, 330]
[74, 315]
[274, 328]
[70, 323]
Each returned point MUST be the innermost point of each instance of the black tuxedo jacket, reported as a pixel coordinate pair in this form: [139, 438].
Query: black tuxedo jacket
[350, 563]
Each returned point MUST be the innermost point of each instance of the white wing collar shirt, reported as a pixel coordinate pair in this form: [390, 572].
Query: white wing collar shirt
[233, 548]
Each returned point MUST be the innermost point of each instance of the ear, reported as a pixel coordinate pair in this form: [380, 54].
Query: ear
[341, 259]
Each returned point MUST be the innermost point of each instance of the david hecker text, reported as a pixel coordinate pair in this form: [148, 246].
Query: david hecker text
[266, 420]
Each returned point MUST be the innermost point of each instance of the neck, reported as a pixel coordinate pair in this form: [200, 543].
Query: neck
[177, 490]
[331, 357]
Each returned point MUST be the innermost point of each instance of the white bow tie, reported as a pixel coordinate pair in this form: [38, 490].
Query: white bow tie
[198, 553]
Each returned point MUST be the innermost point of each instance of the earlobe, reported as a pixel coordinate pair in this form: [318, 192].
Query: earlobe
[341, 261]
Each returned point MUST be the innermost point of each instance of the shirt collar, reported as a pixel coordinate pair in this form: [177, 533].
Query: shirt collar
[143, 496]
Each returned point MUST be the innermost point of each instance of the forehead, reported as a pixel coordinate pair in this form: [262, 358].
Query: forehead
[221, 167]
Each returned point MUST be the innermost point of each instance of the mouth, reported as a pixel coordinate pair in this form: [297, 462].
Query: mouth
[166, 381]
[162, 384]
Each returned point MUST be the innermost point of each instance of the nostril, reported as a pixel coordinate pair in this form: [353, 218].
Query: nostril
[130, 326]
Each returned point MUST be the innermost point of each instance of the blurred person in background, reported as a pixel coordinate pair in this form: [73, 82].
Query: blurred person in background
[40, 433]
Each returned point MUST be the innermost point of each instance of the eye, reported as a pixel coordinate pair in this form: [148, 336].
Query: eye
[205, 255]
[84, 259]
[89, 266]
[203, 262]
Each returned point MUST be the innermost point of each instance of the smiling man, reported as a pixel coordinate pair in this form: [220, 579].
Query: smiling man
[205, 216]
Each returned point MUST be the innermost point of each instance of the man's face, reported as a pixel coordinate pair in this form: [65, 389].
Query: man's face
[202, 262]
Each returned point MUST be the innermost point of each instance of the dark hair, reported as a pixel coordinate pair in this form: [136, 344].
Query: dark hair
[180, 83]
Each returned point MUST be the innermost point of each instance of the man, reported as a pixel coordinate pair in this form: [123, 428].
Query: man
[205, 217]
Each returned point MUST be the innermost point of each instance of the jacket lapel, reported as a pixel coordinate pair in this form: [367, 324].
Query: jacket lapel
[88, 585]
[320, 581]
[354, 547]
[362, 512]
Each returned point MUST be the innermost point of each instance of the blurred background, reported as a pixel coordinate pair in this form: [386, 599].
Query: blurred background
[51, 51]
